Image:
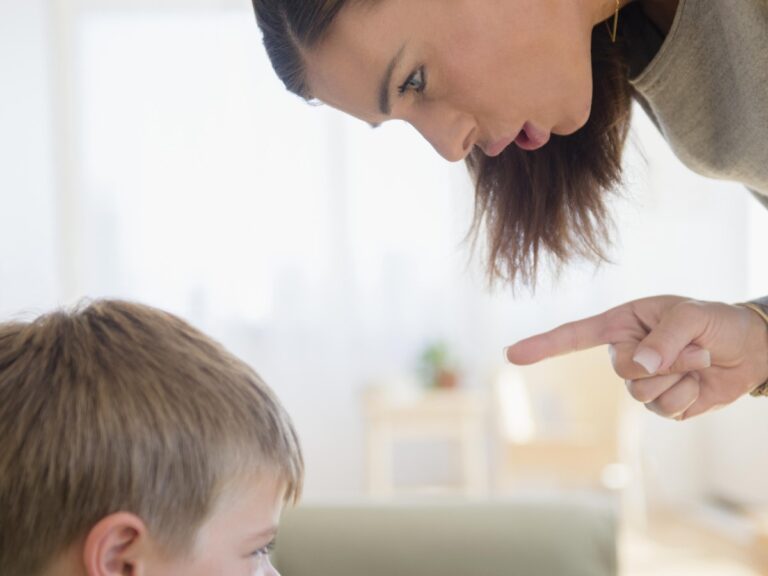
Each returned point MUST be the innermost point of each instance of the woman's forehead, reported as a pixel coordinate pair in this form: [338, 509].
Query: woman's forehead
[346, 68]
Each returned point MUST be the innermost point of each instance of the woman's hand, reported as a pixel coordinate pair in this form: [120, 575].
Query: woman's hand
[679, 357]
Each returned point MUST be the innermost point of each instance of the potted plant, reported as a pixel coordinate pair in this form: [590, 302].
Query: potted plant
[437, 368]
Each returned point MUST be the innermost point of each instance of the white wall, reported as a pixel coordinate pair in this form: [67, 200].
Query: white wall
[28, 266]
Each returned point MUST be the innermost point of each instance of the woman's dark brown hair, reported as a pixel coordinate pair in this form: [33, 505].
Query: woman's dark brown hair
[545, 205]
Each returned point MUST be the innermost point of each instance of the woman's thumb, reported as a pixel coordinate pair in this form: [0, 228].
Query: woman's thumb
[669, 347]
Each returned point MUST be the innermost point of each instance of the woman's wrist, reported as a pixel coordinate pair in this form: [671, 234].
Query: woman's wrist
[760, 309]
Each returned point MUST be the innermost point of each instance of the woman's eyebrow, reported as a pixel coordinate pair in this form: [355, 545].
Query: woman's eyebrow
[386, 80]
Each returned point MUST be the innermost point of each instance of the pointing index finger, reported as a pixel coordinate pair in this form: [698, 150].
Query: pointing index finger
[571, 337]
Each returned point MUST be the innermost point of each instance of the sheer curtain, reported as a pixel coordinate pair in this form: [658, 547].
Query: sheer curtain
[323, 253]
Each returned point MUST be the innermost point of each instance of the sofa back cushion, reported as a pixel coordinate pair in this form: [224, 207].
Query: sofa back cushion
[541, 537]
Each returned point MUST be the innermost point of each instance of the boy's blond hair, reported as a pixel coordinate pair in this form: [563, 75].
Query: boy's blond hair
[121, 407]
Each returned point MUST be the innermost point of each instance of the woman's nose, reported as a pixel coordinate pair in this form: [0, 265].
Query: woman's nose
[451, 133]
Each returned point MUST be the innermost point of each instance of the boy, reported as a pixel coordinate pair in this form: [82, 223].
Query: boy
[130, 443]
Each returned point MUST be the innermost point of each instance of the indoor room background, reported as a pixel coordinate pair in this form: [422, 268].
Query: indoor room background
[147, 151]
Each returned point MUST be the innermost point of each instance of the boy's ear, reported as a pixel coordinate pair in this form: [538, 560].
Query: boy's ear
[114, 546]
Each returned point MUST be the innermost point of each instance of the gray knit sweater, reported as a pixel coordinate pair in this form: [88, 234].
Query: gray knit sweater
[705, 86]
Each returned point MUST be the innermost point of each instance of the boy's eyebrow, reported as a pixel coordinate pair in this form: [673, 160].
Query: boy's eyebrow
[386, 79]
[271, 531]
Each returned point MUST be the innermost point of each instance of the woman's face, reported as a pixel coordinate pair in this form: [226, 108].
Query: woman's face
[464, 73]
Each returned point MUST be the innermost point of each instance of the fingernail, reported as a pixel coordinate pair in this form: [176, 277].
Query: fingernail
[506, 358]
[648, 359]
[612, 353]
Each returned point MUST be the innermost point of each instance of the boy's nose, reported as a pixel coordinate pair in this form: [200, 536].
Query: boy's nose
[269, 570]
[264, 567]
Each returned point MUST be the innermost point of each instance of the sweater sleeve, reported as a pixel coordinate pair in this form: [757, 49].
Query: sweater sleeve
[762, 302]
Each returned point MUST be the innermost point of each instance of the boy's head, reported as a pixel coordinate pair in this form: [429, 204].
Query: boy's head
[131, 442]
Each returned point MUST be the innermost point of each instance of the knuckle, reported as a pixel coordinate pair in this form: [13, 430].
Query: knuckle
[665, 334]
[639, 391]
[604, 333]
[665, 406]
[573, 339]
[688, 310]
[688, 307]
[652, 407]
[624, 371]
[622, 362]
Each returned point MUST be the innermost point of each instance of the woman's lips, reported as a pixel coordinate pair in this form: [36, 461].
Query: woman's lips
[531, 137]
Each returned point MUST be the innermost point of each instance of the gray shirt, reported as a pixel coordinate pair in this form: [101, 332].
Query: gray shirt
[706, 86]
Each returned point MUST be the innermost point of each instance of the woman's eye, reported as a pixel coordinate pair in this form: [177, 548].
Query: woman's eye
[416, 82]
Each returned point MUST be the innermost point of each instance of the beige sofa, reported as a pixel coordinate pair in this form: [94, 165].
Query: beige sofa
[524, 537]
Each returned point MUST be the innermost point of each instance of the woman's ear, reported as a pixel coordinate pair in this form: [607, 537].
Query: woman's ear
[115, 545]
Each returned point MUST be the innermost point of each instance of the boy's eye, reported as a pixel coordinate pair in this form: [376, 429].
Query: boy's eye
[417, 82]
[266, 550]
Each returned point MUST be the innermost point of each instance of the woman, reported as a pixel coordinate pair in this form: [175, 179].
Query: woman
[535, 96]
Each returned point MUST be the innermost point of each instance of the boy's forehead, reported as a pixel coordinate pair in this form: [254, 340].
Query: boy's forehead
[252, 500]
[245, 516]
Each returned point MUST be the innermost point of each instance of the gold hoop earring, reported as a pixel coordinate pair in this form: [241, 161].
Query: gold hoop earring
[612, 31]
